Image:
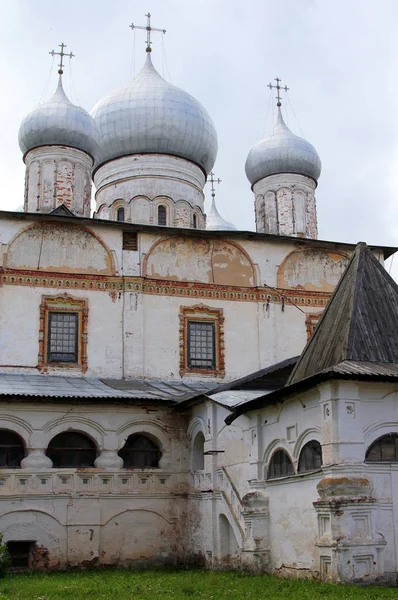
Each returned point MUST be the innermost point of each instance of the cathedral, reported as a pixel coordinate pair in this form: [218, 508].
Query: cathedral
[175, 390]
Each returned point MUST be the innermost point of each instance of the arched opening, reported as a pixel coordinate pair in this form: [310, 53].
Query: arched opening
[310, 457]
[228, 544]
[140, 452]
[12, 449]
[120, 214]
[198, 459]
[385, 448]
[72, 449]
[162, 215]
[195, 222]
[280, 465]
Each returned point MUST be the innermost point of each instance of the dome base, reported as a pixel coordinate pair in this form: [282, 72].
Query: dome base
[142, 182]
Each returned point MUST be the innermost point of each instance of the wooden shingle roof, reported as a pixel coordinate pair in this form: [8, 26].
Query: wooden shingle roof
[360, 322]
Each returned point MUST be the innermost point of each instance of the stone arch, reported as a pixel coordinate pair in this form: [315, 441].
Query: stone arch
[203, 260]
[312, 433]
[279, 451]
[73, 423]
[136, 536]
[38, 526]
[228, 543]
[378, 430]
[17, 425]
[140, 209]
[59, 247]
[152, 430]
[312, 269]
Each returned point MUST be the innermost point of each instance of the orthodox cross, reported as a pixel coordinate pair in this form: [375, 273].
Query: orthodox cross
[278, 89]
[148, 30]
[212, 180]
[61, 54]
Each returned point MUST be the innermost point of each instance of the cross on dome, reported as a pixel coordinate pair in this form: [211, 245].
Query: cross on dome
[278, 89]
[212, 180]
[61, 54]
[148, 30]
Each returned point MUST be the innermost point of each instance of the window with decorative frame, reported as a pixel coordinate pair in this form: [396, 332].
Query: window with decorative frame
[202, 340]
[280, 465]
[311, 322]
[63, 332]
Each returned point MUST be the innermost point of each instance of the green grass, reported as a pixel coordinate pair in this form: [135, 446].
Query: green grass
[195, 584]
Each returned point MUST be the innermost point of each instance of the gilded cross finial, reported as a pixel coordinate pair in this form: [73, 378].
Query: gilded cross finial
[212, 180]
[61, 54]
[148, 30]
[278, 89]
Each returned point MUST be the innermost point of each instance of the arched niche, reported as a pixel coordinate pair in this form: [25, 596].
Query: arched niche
[312, 269]
[60, 248]
[229, 547]
[202, 260]
[198, 449]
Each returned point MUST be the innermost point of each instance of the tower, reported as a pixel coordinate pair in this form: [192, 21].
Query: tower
[157, 144]
[283, 170]
[58, 141]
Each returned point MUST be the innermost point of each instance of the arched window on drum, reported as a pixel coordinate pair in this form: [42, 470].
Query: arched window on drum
[140, 452]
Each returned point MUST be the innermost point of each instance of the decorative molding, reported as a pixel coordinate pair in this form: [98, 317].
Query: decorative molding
[63, 303]
[200, 312]
[183, 289]
[311, 322]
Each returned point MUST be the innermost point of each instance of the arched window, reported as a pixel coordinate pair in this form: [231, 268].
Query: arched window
[385, 448]
[162, 215]
[12, 449]
[72, 449]
[120, 214]
[280, 465]
[198, 459]
[310, 457]
[195, 222]
[139, 452]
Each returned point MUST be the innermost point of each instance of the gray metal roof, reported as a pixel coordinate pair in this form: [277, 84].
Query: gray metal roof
[54, 386]
[282, 152]
[150, 115]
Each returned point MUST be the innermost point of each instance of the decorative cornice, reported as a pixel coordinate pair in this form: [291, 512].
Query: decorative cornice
[182, 289]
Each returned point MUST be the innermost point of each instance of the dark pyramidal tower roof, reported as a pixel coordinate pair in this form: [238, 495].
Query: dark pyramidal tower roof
[360, 322]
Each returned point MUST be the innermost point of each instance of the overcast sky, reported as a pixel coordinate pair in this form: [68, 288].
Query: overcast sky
[338, 57]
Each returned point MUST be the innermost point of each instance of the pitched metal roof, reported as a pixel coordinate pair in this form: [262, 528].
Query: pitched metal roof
[91, 388]
[360, 322]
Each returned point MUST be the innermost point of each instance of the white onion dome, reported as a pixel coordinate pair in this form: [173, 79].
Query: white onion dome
[58, 122]
[282, 152]
[215, 222]
[150, 115]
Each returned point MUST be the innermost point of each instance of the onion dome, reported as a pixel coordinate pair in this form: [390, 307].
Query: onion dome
[282, 152]
[58, 122]
[215, 222]
[150, 115]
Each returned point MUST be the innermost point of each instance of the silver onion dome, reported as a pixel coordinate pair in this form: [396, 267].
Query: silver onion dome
[58, 122]
[215, 222]
[150, 115]
[282, 152]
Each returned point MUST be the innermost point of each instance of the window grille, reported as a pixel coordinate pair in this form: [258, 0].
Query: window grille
[162, 215]
[139, 452]
[130, 240]
[385, 449]
[62, 337]
[72, 449]
[280, 465]
[12, 450]
[310, 457]
[120, 214]
[201, 345]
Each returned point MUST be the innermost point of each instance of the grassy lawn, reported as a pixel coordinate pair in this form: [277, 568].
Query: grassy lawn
[156, 585]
